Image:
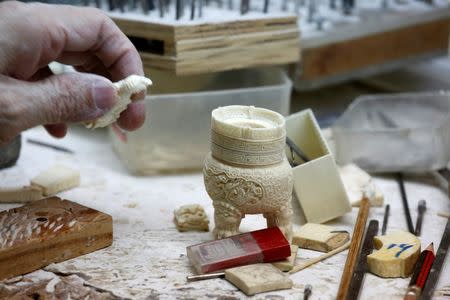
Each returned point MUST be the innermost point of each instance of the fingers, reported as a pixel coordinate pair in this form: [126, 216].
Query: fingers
[56, 130]
[71, 97]
[133, 117]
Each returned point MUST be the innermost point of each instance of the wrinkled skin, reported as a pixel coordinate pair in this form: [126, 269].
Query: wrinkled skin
[33, 35]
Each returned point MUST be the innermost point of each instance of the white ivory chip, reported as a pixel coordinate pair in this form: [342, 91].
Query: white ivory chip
[125, 89]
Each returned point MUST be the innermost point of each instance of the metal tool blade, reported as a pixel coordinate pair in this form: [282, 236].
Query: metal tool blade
[361, 266]
[421, 208]
[385, 219]
[435, 271]
[407, 212]
[205, 276]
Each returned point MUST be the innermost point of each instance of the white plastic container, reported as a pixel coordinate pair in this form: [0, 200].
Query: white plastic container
[392, 133]
[175, 136]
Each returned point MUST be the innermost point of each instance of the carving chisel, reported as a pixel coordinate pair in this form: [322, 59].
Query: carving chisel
[421, 208]
[433, 277]
[385, 219]
[401, 184]
[361, 267]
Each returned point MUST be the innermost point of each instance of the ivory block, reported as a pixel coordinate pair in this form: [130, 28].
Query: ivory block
[23, 194]
[56, 179]
[258, 278]
[319, 237]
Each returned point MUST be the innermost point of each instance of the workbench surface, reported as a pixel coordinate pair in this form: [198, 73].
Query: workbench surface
[148, 259]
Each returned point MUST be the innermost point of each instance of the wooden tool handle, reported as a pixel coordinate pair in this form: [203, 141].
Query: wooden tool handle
[355, 246]
[309, 262]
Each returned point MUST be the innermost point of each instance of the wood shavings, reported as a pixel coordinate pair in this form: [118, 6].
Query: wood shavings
[125, 89]
[191, 217]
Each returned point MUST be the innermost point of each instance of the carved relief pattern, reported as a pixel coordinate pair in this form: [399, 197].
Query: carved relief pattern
[252, 190]
[244, 158]
[232, 189]
[247, 146]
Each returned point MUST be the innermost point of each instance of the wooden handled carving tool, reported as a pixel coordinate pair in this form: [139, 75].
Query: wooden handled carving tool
[401, 184]
[355, 246]
[361, 267]
[421, 272]
[385, 219]
[437, 264]
[421, 208]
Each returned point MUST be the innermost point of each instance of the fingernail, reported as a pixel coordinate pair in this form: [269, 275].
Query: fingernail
[104, 94]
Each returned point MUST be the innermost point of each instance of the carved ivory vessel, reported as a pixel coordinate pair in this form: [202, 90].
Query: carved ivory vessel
[247, 171]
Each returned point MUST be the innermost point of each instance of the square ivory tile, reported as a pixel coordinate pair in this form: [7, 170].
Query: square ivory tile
[258, 278]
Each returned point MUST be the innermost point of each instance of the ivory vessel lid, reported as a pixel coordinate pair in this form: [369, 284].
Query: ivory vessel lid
[248, 123]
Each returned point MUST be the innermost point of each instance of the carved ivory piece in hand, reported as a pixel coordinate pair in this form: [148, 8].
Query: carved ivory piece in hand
[126, 88]
[246, 171]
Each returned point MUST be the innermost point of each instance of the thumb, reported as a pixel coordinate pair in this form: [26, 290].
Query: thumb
[70, 97]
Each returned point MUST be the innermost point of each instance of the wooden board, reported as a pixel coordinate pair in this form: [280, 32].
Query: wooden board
[203, 48]
[338, 58]
[47, 231]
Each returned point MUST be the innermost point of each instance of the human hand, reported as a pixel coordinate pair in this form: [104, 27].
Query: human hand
[33, 35]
